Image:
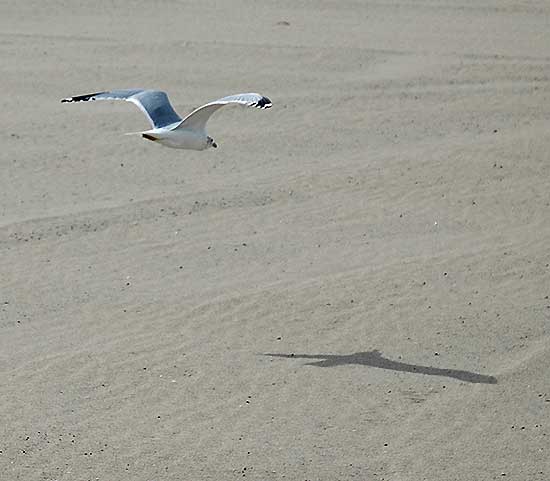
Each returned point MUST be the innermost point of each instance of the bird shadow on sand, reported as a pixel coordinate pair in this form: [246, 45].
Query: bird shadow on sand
[376, 359]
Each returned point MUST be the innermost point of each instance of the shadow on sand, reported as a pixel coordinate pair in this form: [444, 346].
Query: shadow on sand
[375, 359]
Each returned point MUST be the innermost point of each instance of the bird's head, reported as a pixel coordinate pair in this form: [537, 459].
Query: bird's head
[210, 143]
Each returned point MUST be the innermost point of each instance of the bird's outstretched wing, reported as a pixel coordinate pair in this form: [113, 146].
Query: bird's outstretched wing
[197, 119]
[153, 103]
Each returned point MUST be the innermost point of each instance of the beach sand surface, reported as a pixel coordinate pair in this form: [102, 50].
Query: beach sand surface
[354, 285]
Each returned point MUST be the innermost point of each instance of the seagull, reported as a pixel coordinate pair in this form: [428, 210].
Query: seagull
[168, 128]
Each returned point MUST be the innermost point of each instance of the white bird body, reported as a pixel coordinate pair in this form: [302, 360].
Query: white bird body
[178, 138]
[168, 127]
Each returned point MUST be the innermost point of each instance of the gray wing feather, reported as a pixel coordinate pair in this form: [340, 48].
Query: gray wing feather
[197, 119]
[153, 103]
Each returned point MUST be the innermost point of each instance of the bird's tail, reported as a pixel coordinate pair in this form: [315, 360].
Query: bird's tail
[146, 135]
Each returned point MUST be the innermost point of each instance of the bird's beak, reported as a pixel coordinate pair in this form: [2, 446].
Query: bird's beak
[214, 145]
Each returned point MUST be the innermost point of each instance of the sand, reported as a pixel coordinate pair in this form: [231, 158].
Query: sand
[354, 285]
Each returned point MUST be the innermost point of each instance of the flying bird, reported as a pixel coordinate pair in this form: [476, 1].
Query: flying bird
[168, 128]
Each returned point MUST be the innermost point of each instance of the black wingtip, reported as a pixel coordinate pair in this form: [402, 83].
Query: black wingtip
[81, 98]
[264, 103]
